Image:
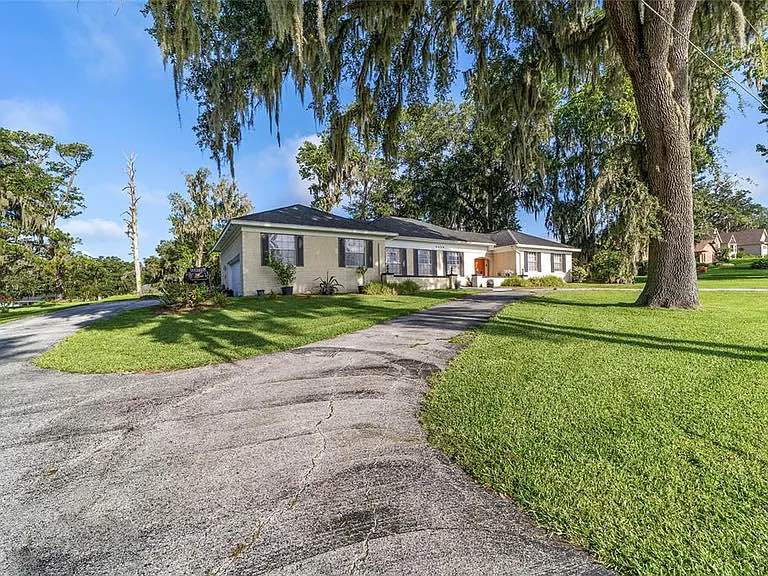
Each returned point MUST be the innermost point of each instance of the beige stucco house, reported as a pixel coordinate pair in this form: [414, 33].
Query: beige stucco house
[392, 249]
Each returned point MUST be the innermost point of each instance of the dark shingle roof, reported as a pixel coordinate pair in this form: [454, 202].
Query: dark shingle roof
[418, 229]
[513, 237]
[752, 236]
[300, 215]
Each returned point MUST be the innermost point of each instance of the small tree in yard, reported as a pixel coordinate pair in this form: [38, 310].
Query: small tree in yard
[132, 219]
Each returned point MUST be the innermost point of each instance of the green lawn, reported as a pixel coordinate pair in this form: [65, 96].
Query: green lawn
[740, 275]
[47, 307]
[142, 340]
[639, 434]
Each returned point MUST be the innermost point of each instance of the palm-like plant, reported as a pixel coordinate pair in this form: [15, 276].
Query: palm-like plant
[329, 285]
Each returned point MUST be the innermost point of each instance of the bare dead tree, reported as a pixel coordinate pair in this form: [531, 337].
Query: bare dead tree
[131, 218]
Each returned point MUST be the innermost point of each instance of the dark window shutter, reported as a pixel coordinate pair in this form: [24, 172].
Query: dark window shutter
[299, 250]
[538, 261]
[341, 252]
[434, 262]
[264, 249]
[445, 263]
[415, 262]
[369, 253]
[461, 263]
[403, 262]
[551, 262]
[525, 261]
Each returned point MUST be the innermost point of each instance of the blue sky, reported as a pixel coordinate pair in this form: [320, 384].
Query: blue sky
[89, 72]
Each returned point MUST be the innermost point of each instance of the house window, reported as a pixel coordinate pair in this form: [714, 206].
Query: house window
[283, 246]
[454, 263]
[532, 262]
[426, 262]
[354, 252]
[558, 262]
[395, 261]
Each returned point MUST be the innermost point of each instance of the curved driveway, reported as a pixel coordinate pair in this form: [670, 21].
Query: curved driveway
[310, 461]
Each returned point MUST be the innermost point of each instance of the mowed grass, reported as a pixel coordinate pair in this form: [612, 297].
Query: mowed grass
[47, 307]
[639, 434]
[738, 275]
[146, 340]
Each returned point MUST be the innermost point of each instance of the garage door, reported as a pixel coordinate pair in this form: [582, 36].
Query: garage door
[235, 276]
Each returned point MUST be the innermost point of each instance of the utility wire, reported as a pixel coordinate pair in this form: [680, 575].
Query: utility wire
[700, 51]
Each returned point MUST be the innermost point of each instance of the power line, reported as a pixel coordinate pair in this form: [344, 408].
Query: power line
[700, 51]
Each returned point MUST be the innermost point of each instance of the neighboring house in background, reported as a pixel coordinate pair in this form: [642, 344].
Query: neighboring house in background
[707, 248]
[394, 249]
[753, 241]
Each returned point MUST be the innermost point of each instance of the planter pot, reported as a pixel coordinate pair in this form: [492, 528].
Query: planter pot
[259, 292]
[360, 289]
[287, 290]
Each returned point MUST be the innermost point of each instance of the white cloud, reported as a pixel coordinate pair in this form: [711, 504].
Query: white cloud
[93, 228]
[32, 115]
[280, 162]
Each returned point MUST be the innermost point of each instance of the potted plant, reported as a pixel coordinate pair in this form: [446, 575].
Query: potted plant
[361, 270]
[285, 272]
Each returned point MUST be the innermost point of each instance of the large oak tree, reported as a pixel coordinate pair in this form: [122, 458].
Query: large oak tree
[364, 62]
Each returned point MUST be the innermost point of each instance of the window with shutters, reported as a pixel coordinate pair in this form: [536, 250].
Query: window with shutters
[532, 261]
[558, 262]
[426, 260]
[354, 252]
[453, 263]
[394, 262]
[284, 246]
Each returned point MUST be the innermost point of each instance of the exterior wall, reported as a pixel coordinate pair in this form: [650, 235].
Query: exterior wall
[706, 256]
[470, 251]
[755, 249]
[546, 264]
[320, 256]
[503, 260]
[229, 252]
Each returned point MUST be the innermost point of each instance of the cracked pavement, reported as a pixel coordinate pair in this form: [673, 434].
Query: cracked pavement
[310, 461]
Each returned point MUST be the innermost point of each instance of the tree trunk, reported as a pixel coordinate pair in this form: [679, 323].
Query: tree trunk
[656, 59]
[132, 220]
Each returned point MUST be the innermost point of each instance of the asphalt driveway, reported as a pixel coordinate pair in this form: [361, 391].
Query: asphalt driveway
[310, 461]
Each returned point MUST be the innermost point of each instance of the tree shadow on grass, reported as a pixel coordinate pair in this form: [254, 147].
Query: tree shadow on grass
[263, 325]
[556, 332]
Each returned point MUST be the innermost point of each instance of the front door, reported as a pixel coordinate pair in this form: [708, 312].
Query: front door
[481, 266]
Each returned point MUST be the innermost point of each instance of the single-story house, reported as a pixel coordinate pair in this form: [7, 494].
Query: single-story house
[392, 249]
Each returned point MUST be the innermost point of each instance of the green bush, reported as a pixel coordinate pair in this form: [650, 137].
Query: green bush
[579, 272]
[513, 281]
[760, 264]
[546, 282]
[377, 288]
[549, 281]
[407, 287]
[182, 295]
[219, 299]
[610, 267]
